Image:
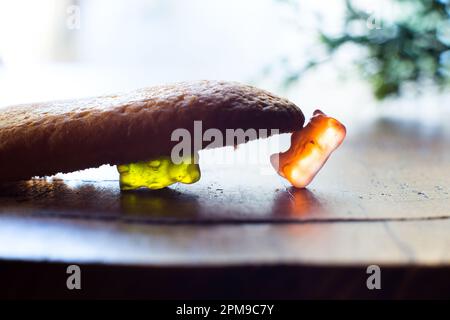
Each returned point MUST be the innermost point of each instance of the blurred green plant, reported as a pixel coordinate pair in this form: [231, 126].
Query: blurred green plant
[413, 49]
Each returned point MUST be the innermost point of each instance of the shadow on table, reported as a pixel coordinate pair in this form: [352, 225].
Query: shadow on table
[103, 200]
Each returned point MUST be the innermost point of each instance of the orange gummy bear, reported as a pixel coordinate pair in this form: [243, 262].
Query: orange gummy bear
[310, 149]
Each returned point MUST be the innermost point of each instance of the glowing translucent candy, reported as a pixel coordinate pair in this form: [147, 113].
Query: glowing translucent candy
[310, 149]
[157, 173]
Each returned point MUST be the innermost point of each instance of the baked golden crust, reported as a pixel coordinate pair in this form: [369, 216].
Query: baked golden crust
[63, 136]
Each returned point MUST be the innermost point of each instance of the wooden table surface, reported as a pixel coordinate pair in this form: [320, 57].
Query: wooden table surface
[383, 198]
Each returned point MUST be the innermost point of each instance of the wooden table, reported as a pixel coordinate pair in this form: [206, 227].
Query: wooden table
[383, 198]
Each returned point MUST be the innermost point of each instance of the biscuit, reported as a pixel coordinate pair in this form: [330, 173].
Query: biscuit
[43, 139]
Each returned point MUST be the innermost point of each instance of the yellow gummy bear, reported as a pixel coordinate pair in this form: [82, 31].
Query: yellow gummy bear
[157, 173]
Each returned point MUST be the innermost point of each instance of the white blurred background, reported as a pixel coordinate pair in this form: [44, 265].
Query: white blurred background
[53, 49]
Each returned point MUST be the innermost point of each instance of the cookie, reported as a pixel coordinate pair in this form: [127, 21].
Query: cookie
[43, 139]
